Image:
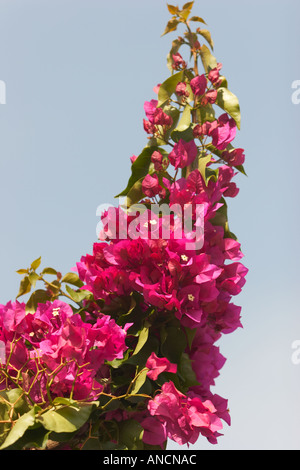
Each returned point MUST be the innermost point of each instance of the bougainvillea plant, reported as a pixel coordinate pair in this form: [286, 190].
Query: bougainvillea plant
[121, 353]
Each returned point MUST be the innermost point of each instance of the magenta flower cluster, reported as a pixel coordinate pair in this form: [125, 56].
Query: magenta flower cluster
[143, 342]
[196, 286]
[54, 351]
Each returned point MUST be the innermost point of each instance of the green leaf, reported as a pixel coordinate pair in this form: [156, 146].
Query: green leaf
[212, 174]
[78, 295]
[25, 286]
[229, 103]
[186, 10]
[35, 264]
[33, 278]
[12, 405]
[55, 287]
[174, 344]
[49, 271]
[186, 371]
[241, 169]
[14, 397]
[176, 44]
[223, 81]
[190, 333]
[131, 434]
[197, 18]
[72, 278]
[188, 6]
[202, 164]
[116, 363]
[22, 271]
[36, 437]
[66, 419]
[208, 60]
[139, 169]
[185, 120]
[19, 428]
[143, 336]
[93, 443]
[205, 113]
[172, 9]
[174, 113]
[140, 359]
[184, 130]
[39, 296]
[221, 218]
[139, 382]
[124, 317]
[206, 34]
[66, 401]
[168, 87]
[5, 424]
[135, 194]
[171, 26]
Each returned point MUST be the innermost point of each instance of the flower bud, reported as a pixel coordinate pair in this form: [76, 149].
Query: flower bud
[178, 62]
[133, 158]
[150, 185]
[214, 76]
[234, 157]
[157, 158]
[181, 89]
[198, 85]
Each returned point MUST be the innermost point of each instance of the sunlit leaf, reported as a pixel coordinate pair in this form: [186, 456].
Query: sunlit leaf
[78, 296]
[229, 103]
[171, 26]
[19, 428]
[186, 10]
[202, 164]
[139, 382]
[35, 264]
[176, 44]
[208, 60]
[172, 9]
[25, 286]
[33, 278]
[39, 296]
[197, 18]
[65, 419]
[22, 271]
[184, 129]
[139, 169]
[205, 113]
[143, 336]
[206, 34]
[72, 278]
[49, 270]
[168, 87]
[135, 193]
[188, 6]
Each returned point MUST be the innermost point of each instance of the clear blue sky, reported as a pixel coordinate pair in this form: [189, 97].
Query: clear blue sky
[77, 73]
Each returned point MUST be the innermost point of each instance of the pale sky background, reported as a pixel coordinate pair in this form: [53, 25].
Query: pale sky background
[77, 73]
